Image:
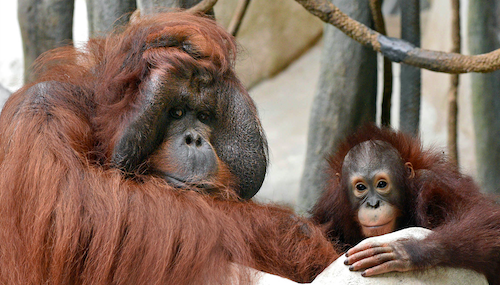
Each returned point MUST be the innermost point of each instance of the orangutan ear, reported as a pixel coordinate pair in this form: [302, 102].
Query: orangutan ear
[409, 169]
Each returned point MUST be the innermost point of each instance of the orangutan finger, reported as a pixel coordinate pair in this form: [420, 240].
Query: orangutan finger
[367, 253]
[372, 261]
[390, 266]
[362, 247]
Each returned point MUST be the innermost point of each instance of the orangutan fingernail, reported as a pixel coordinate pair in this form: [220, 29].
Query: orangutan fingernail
[351, 268]
[346, 262]
[363, 274]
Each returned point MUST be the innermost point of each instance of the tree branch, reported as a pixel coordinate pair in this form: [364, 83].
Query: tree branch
[378, 19]
[453, 92]
[235, 23]
[203, 6]
[398, 50]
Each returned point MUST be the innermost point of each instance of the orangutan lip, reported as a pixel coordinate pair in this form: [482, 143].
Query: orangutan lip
[377, 226]
[185, 184]
[176, 182]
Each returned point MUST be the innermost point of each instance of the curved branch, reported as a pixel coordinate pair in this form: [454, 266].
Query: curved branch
[398, 50]
[378, 19]
[235, 23]
[203, 6]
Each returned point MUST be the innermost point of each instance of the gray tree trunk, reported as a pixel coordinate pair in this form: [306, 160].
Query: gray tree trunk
[149, 5]
[345, 98]
[44, 25]
[409, 111]
[104, 15]
[484, 36]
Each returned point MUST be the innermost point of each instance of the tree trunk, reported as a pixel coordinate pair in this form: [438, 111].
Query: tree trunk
[44, 25]
[149, 6]
[484, 33]
[104, 15]
[344, 100]
[143, 4]
[409, 112]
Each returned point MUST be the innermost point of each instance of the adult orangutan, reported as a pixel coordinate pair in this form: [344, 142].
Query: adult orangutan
[382, 181]
[129, 161]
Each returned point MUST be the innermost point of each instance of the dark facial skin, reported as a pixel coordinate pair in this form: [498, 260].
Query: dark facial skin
[183, 132]
[187, 147]
[370, 173]
[371, 193]
[374, 172]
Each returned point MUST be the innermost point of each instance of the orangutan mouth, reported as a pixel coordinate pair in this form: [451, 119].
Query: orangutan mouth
[377, 230]
[376, 226]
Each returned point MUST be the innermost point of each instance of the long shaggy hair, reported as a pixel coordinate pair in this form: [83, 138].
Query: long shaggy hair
[67, 216]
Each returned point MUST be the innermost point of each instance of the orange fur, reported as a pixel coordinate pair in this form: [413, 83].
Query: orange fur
[68, 217]
[437, 196]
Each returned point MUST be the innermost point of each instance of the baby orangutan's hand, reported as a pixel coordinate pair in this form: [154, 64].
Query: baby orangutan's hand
[377, 258]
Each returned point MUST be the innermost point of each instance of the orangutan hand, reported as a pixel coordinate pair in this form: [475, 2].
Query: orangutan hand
[377, 258]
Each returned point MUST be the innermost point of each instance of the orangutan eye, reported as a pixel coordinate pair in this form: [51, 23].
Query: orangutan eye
[204, 116]
[382, 184]
[176, 113]
[360, 187]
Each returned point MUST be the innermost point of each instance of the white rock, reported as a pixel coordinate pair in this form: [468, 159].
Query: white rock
[338, 273]
[262, 278]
